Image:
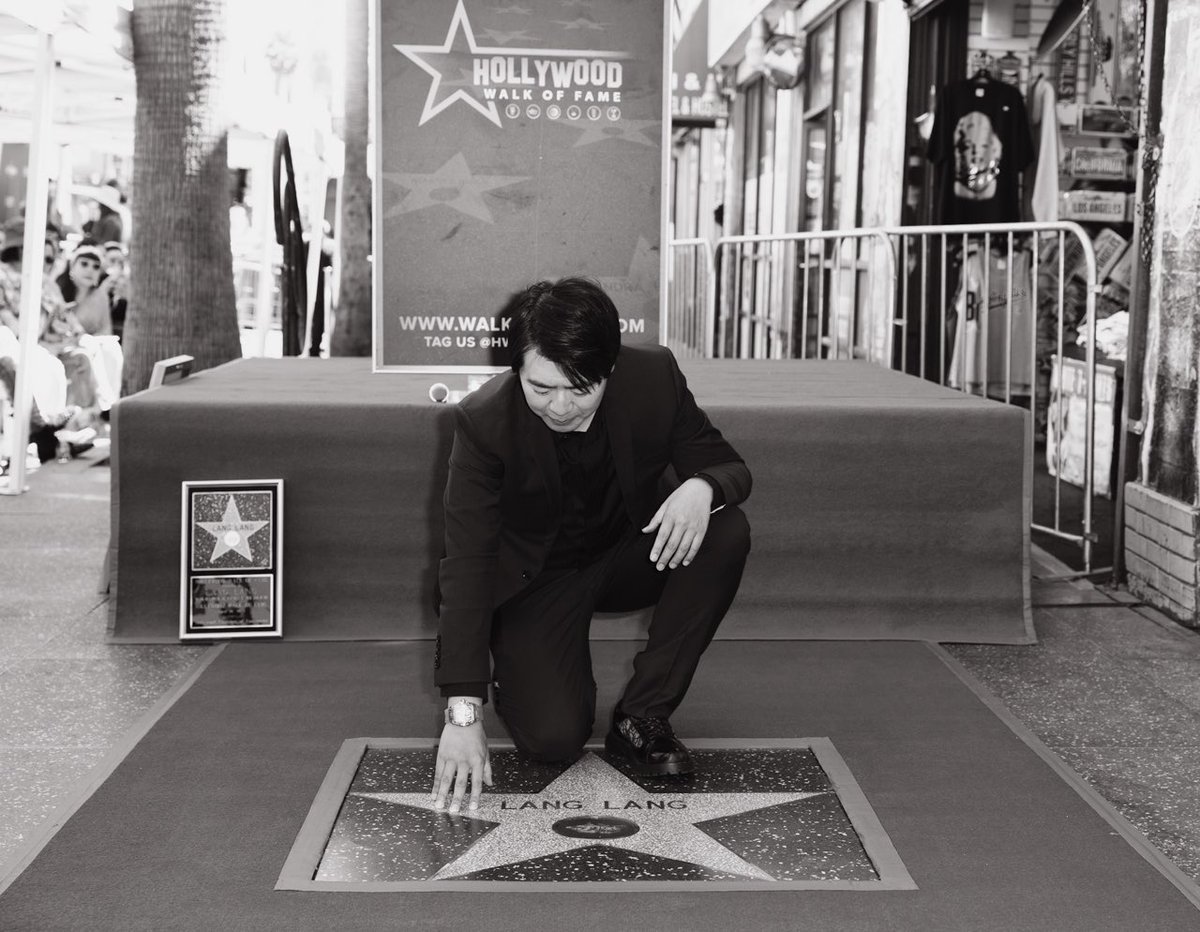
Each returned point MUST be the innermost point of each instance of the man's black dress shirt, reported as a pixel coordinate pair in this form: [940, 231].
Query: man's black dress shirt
[593, 515]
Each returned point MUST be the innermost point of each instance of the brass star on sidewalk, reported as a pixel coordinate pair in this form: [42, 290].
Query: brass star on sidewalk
[452, 185]
[588, 800]
[231, 532]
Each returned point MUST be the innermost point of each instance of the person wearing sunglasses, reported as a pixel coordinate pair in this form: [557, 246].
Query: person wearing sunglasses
[85, 284]
[87, 322]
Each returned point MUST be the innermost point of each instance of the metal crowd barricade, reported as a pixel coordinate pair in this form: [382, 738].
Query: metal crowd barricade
[897, 297]
[950, 335]
[826, 294]
[688, 329]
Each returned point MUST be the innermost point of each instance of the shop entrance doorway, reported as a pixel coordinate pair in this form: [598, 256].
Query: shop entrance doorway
[937, 55]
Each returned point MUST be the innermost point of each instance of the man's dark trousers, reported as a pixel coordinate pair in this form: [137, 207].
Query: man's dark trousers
[542, 664]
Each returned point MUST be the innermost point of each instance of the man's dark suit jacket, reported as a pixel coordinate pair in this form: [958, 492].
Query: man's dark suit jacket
[503, 495]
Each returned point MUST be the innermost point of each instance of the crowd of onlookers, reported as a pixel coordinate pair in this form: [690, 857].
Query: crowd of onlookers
[74, 369]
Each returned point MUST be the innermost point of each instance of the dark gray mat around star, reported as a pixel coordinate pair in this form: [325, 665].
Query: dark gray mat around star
[192, 829]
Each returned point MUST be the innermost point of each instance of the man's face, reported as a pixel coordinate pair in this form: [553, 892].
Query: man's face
[549, 394]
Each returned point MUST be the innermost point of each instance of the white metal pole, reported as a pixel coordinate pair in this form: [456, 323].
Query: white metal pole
[316, 239]
[264, 224]
[37, 190]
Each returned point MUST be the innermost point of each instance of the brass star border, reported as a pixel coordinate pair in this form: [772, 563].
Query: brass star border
[360, 804]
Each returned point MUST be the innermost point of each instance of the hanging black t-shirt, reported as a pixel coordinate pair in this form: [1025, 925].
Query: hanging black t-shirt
[980, 144]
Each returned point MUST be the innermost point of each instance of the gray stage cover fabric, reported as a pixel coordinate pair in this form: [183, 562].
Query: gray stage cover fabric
[883, 506]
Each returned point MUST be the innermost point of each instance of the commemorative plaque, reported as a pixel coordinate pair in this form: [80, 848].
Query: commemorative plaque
[231, 567]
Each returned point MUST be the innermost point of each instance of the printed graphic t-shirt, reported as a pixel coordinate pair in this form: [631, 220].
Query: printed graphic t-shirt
[980, 144]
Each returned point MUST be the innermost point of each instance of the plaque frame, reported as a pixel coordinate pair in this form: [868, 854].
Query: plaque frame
[255, 568]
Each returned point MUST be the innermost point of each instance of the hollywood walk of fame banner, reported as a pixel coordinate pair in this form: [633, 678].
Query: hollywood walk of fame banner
[231, 559]
[763, 814]
[515, 141]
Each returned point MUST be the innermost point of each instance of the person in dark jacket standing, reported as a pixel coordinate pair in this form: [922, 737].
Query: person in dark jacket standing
[586, 479]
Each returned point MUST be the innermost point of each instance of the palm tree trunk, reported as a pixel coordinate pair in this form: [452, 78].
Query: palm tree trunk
[182, 297]
[352, 328]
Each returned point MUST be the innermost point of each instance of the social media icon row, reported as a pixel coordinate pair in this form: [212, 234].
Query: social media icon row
[555, 112]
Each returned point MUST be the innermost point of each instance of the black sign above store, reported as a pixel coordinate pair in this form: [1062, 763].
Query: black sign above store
[695, 99]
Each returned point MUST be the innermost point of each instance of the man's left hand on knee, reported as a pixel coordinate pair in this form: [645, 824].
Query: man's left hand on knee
[681, 522]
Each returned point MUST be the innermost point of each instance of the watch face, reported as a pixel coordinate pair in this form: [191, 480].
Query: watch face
[462, 713]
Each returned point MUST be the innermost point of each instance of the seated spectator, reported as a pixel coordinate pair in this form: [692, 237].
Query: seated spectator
[108, 223]
[87, 292]
[81, 356]
[116, 267]
[85, 286]
[51, 419]
[11, 255]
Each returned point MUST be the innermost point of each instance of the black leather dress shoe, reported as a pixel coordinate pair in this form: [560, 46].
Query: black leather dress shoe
[648, 746]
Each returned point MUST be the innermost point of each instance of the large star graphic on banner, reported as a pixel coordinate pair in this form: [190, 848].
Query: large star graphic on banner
[452, 185]
[427, 56]
[624, 130]
[421, 54]
[231, 532]
[525, 834]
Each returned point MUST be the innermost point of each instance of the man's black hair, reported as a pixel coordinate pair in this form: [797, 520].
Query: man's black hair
[572, 323]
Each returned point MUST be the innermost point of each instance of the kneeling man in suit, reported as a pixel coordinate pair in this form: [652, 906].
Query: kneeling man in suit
[587, 479]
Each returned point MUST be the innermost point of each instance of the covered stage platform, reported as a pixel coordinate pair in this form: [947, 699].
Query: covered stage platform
[884, 507]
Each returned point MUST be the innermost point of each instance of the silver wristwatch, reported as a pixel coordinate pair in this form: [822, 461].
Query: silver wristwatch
[462, 713]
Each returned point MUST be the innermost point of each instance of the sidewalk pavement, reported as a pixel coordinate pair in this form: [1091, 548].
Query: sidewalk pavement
[1112, 686]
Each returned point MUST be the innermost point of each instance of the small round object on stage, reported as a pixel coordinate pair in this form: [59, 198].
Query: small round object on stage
[439, 392]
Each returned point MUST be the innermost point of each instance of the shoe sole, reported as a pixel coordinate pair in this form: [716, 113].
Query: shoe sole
[666, 769]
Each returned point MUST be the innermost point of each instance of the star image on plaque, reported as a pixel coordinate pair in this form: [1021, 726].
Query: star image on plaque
[749, 817]
[231, 530]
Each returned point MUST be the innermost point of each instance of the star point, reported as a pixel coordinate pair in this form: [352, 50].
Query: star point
[642, 274]
[418, 54]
